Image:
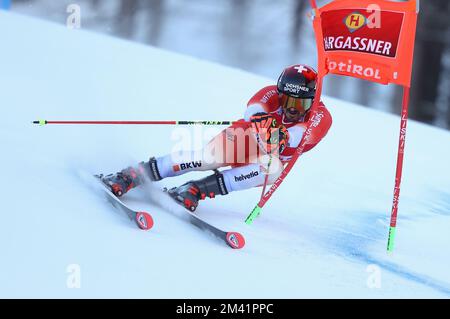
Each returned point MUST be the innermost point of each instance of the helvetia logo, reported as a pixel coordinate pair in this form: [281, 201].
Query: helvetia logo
[355, 21]
[243, 177]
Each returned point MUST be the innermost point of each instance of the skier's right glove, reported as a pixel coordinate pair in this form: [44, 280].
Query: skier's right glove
[262, 120]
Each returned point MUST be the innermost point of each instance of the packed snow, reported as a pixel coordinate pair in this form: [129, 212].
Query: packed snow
[323, 234]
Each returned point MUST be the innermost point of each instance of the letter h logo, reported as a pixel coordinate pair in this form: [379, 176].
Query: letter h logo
[355, 21]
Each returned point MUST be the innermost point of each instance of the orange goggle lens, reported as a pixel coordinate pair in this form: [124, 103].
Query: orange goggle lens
[301, 105]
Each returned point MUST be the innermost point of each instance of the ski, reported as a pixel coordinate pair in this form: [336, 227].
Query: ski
[233, 239]
[142, 219]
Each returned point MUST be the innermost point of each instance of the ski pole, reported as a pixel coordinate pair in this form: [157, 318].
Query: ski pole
[45, 122]
[299, 151]
[314, 121]
[266, 178]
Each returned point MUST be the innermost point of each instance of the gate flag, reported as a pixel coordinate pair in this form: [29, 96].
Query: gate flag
[371, 40]
[368, 39]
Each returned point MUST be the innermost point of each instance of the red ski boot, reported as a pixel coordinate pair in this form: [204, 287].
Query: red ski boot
[190, 193]
[129, 178]
[123, 181]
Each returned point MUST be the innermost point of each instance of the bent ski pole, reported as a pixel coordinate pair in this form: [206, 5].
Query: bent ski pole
[314, 121]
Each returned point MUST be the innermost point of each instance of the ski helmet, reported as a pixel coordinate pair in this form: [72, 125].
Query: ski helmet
[297, 87]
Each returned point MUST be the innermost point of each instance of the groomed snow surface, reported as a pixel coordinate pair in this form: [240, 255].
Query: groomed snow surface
[323, 234]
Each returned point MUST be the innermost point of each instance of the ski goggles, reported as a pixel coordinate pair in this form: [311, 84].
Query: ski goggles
[291, 104]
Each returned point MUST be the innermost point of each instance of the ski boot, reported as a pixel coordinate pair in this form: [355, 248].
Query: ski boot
[131, 177]
[190, 193]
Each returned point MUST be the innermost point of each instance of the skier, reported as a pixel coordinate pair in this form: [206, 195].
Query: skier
[274, 122]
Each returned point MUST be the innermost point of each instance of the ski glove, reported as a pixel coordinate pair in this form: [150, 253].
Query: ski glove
[271, 137]
[262, 120]
[276, 140]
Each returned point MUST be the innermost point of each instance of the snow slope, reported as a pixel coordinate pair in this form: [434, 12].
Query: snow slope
[319, 236]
